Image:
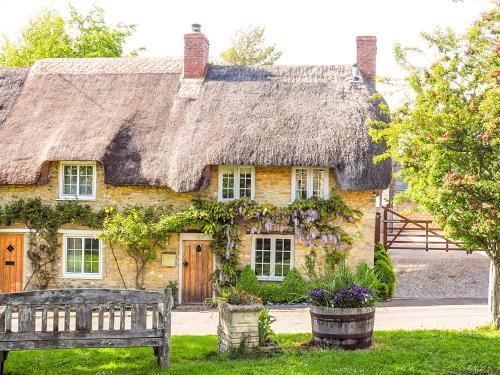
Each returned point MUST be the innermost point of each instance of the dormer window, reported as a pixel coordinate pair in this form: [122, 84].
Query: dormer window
[77, 180]
[309, 182]
[236, 182]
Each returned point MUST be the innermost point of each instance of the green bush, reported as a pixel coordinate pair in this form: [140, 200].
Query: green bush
[293, 289]
[384, 270]
[248, 281]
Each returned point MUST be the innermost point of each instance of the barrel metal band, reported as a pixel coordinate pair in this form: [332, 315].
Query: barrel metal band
[342, 336]
[343, 318]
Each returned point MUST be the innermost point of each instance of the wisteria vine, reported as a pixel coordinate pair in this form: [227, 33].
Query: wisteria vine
[313, 221]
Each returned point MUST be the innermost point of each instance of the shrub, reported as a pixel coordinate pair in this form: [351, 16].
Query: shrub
[385, 272]
[291, 290]
[248, 281]
[294, 288]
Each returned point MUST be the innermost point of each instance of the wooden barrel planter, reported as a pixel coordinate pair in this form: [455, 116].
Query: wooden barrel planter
[346, 328]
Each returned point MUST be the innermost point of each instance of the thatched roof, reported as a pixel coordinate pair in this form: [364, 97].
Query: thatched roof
[128, 114]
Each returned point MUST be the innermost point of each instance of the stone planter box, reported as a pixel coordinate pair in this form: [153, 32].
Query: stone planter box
[238, 327]
[346, 328]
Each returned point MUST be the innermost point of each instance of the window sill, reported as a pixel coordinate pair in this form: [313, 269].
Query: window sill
[82, 277]
[83, 199]
[270, 278]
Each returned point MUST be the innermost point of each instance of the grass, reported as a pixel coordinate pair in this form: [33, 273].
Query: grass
[394, 352]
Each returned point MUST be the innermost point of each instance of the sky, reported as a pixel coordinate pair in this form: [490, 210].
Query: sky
[316, 32]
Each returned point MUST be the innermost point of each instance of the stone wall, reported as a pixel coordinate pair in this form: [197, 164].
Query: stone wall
[273, 185]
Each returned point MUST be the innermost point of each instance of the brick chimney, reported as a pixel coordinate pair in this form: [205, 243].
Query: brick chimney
[367, 56]
[195, 53]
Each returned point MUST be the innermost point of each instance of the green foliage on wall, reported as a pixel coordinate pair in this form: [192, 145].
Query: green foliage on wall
[43, 222]
[312, 221]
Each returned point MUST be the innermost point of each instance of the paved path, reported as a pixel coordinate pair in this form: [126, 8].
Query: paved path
[437, 314]
[440, 274]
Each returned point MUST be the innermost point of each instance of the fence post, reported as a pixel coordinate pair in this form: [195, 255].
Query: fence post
[164, 350]
[426, 236]
[385, 226]
[377, 227]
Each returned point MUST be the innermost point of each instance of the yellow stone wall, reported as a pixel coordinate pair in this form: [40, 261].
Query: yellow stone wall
[273, 185]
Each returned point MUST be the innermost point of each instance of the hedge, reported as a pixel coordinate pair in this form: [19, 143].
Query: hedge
[293, 289]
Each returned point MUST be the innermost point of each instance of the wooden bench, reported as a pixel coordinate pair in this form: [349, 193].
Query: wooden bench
[85, 318]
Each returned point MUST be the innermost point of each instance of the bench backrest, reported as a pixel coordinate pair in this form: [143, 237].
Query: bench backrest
[84, 318]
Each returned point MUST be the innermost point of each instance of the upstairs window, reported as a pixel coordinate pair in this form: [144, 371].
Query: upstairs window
[77, 180]
[309, 182]
[236, 182]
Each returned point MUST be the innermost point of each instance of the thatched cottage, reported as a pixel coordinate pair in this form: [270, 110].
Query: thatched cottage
[162, 131]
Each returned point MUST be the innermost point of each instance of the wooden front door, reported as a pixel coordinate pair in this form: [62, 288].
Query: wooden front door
[197, 268]
[11, 263]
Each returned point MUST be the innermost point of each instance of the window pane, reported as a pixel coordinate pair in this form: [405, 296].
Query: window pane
[91, 259]
[74, 255]
[245, 182]
[228, 183]
[301, 183]
[262, 256]
[70, 177]
[86, 180]
[318, 179]
[267, 244]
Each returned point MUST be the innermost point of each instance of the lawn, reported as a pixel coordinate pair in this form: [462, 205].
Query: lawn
[394, 352]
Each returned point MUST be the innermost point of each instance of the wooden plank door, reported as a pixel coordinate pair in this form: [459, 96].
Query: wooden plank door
[11, 262]
[197, 268]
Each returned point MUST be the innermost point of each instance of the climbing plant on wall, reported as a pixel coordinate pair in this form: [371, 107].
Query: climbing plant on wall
[313, 221]
[137, 231]
[43, 222]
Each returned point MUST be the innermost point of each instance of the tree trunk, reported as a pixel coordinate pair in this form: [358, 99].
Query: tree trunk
[494, 293]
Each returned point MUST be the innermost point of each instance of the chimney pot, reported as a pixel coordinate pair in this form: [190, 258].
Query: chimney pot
[367, 57]
[196, 27]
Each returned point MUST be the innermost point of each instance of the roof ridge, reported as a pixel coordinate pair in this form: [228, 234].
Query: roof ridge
[107, 65]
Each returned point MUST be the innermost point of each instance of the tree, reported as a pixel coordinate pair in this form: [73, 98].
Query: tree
[447, 138]
[248, 48]
[50, 35]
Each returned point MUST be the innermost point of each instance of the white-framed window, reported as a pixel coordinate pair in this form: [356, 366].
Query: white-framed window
[309, 182]
[272, 256]
[236, 182]
[82, 256]
[77, 180]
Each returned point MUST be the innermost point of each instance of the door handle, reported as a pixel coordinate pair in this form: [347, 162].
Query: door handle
[185, 263]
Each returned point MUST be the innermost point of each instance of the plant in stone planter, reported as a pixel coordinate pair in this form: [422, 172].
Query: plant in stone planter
[343, 310]
[238, 320]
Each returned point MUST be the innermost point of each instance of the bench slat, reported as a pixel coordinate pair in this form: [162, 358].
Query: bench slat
[74, 335]
[122, 317]
[83, 318]
[100, 318]
[111, 317]
[27, 318]
[44, 318]
[77, 296]
[82, 343]
[67, 317]
[55, 321]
